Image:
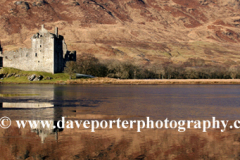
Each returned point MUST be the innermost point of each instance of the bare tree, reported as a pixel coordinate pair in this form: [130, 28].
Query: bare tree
[191, 73]
[158, 70]
[233, 71]
[87, 64]
[70, 68]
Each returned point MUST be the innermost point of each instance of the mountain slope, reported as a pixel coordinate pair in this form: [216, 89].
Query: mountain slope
[140, 30]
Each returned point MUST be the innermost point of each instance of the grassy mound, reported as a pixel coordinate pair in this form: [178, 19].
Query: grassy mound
[12, 75]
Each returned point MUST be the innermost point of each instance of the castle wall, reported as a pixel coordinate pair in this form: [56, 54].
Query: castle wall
[20, 59]
[25, 59]
[39, 58]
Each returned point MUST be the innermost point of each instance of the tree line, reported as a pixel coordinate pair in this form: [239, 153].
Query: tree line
[193, 68]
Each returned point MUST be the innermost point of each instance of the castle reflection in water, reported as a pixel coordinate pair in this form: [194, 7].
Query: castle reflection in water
[40, 106]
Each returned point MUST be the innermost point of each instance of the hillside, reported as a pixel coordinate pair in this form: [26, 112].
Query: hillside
[137, 30]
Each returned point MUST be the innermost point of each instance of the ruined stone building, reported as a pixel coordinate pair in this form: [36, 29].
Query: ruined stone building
[48, 54]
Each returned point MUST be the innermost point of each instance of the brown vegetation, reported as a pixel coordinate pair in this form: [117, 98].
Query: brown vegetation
[120, 144]
[193, 68]
[131, 30]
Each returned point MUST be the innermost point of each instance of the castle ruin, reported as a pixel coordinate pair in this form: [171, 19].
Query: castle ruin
[48, 54]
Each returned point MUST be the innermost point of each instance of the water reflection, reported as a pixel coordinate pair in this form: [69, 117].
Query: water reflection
[36, 103]
[26, 105]
[44, 132]
[52, 102]
[40, 102]
[38, 112]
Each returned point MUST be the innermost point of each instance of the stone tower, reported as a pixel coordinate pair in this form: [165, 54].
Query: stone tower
[49, 50]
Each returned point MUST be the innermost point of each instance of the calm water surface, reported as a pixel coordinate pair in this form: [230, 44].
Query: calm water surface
[156, 101]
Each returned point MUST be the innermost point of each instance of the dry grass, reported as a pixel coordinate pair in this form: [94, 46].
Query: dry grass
[153, 81]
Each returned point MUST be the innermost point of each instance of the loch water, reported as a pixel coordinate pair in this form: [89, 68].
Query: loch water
[129, 102]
